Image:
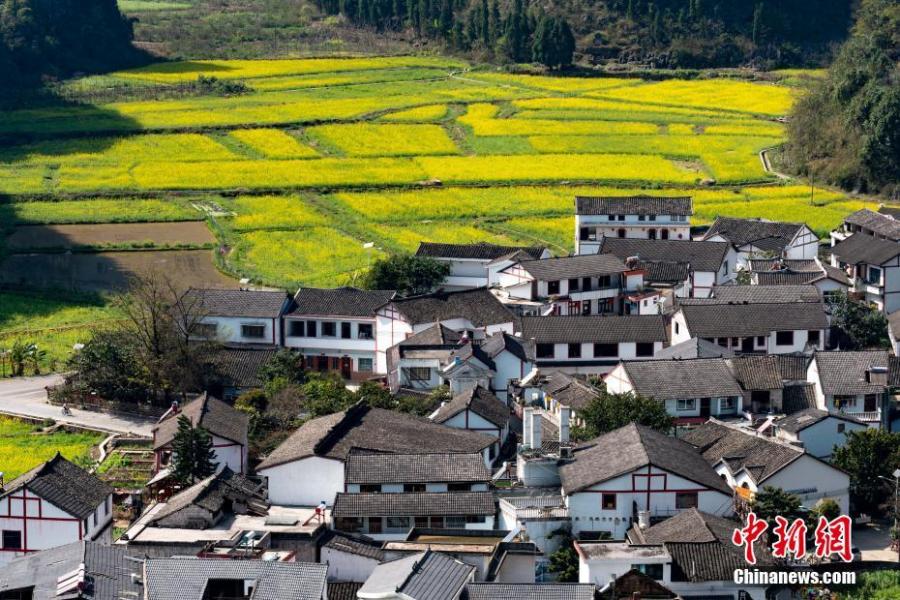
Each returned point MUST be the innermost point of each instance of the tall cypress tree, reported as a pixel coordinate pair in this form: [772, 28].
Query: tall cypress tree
[192, 452]
[485, 24]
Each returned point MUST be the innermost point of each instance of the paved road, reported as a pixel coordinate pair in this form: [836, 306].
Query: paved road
[874, 541]
[26, 396]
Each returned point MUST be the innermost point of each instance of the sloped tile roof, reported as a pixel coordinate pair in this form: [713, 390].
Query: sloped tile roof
[213, 493]
[757, 372]
[573, 267]
[792, 367]
[760, 294]
[478, 305]
[414, 504]
[599, 329]
[843, 372]
[693, 348]
[807, 265]
[631, 447]
[634, 205]
[240, 365]
[863, 248]
[217, 417]
[803, 419]
[501, 341]
[423, 576]
[701, 256]
[343, 590]
[795, 398]
[238, 303]
[634, 584]
[665, 271]
[682, 379]
[478, 400]
[478, 251]
[569, 391]
[339, 302]
[64, 485]
[352, 543]
[436, 335]
[530, 591]
[745, 320]
[879, 223]
[373, 468]
[769, 235]
[787, 278]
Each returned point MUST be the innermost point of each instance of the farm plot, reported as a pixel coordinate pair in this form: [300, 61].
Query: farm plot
[137, 235]
[99, 210]
[363, 139]
[24, 446]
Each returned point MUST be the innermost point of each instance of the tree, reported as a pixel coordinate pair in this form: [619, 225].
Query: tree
[286, 364]
[192, 453]
[554, 43]
[408, 274]
[858, 325]
[866, 455]
[828, 508]
[608, 411]
[108, 365]
[770, 502]
[564, 562]
[375, 395]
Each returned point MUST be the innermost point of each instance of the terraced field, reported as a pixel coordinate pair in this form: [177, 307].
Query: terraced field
[323, 165]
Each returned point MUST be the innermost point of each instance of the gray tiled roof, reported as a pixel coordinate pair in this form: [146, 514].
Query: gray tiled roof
[702, 256]
[613, 329]
[478, 400]
[187, 578]
[759, 294]
[792, 367]
[845, 372]
[769, 235]
[787, 278]
[877, 222]
[495, 344]
[413, 504]
[800, 420]
[241, 364]
[63, 485]
[682, 379]
[569, 391]
[693, 348]
[424, 576]
[530, 591]
[374, 468]
[633, 205]
[343, 590]
[213, 494]
[863, 248]
[107, 571]
[634, 584]
[238, 303]
[795, 398]
[375, 429]
[762, 457]
[217, 417]
[757, 372]
[632, 447]
[478, 305]
[352, 543]
[664, 271]
[339, 302]
[745, 320]
[436, 335]
[807, 265]
[478, 251]
[573, 267]
[891, 211]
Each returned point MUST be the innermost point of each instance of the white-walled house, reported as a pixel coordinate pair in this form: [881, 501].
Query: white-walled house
[642, 217]
[308, 467]
[236, 316]
[747, 461]
[476, 409]
[709, 263]
[472, 265]
[633, 470]
[595, 344]
[759, 238]
[52, 505]
[428, 574]
[337, 330]
[691, 390]
[227, 426]
[828, 279]
[853, 383]
[882, 225]
[873, 266]
[818, 432]
[350, 557]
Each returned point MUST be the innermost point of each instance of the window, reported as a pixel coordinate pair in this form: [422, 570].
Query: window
[873, 275]
[459, 487]
[311, 328]
[329, 329]
[608, 501]
[421, 522]
[586, 307]
[641, 217]
[253, 331]
[606, 350]
[651, 234]
[841, 402]
[364, 365]
[205, 330]
[686, 404]
[760, 340]
[545, 350]
[574, 285]
[813, 337]
[584, 233]
[664, 234]
[727, 404]
[95, 518]
[677, 328]
[620, 217]
[348, 524]
[652, 217]
[12, 539]
[454, 522]
[374, 524]
[841, 427]
[686, 500]
[552, 288]
[476, 519]
[644, 349]
[611, 217]
[345, 331]
[621, 233]
[574, 350]
[297, 328]
[586, 284]
[653, 571]
[784, 338]
[364, 331]
[418, 373]
[370, 488]
[411, 488]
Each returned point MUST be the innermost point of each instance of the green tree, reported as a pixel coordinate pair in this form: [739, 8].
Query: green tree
[608, 411]
[857, 325]
[564, 562]
[770, 502]
[865, 456]
[286, 365]
[828, 508]
[410, 275]
[192, 453]
[375, 395]
[109, 366]
[554, 43]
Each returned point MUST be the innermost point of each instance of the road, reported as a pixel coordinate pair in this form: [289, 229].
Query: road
[26, 396]
[874, 541]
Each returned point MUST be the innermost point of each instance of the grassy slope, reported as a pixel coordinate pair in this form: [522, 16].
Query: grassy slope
[22, 447]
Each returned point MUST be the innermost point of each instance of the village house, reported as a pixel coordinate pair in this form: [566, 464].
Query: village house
[426, 575]
[616, 477]
[537, 516]
[592, 345]
[570, 285]
[51, 505]
[476, 409]
[747, 461]
[227, 426]
[707, 263]
[476, 265]
[780, 319]
[529, 591]
[236, 316]
[350, 557]
[240, 366]
[759, 238]
[336, 330]
[559, 391]
[690, 554]
[853, 383]
[829, 280]
[640, 217]
[873, 266]
[882, 225]
[693, 348]
[308, 467]
[818, 432]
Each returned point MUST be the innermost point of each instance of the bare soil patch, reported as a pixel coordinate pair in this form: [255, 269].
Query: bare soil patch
[37, 237]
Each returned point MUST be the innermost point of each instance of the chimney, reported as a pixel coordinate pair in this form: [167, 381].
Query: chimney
[565, 414]
[536, 431]
[877, 375]
[527, 420]
[643, 519]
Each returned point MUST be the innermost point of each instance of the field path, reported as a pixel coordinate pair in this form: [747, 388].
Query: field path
[27, 397]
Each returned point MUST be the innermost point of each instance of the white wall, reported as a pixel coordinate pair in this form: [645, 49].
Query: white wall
[812, 480]
[228, 329]
[343, 566]
[305, 482]
[230, 453]
[820, 439]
